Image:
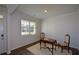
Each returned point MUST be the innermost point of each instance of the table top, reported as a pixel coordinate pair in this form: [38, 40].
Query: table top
[49, 40]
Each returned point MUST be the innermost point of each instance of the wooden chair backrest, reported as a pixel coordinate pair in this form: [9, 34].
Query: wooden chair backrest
[67, 40]
[42, 36]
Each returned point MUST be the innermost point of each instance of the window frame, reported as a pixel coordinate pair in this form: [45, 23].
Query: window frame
[34, 32]
[29, 24]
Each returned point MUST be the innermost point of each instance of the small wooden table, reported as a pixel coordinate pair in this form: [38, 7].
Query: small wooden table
[50, 41]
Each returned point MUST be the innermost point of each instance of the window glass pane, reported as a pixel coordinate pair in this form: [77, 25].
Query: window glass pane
[24, 27]
[32, 28]
[28, 27]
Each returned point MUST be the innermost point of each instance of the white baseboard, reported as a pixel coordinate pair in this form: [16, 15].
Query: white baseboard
[8, 52]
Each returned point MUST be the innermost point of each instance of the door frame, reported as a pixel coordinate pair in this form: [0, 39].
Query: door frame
[3, 11]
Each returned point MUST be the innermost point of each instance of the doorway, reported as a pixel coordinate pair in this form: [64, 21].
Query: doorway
[3, 37]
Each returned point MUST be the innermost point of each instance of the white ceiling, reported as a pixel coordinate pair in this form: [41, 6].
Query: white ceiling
[53, 10]
[37, 10]
[11, 7]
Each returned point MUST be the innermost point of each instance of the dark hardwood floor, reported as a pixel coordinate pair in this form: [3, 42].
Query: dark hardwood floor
[24, 51]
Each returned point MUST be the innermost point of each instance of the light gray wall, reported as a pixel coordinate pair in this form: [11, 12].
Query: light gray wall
[15, 39]
[78, 23]
[57, 27]
[78, 27]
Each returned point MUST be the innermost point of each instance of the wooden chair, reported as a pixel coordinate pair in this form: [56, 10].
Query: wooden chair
[66, 43]
[42, 37]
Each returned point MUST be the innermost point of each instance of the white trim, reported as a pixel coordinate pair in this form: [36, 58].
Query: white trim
[8, 52]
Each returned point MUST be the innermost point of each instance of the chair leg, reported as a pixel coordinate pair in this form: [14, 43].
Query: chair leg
[55, 48]
[40, 44]
[44, 44]
[55, 45]
[61, 49]
[58, 45]
[68, 49]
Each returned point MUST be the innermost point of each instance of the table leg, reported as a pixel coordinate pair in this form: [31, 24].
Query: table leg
[40, 44]
[52, 49]
[45, 44]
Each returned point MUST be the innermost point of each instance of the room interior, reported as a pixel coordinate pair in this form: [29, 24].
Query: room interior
[22, 24]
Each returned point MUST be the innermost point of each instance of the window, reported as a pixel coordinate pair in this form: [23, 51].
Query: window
[28, 27]
[24, 27]
[32, 28]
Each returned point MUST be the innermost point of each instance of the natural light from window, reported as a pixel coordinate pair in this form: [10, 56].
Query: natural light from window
[28, 27]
